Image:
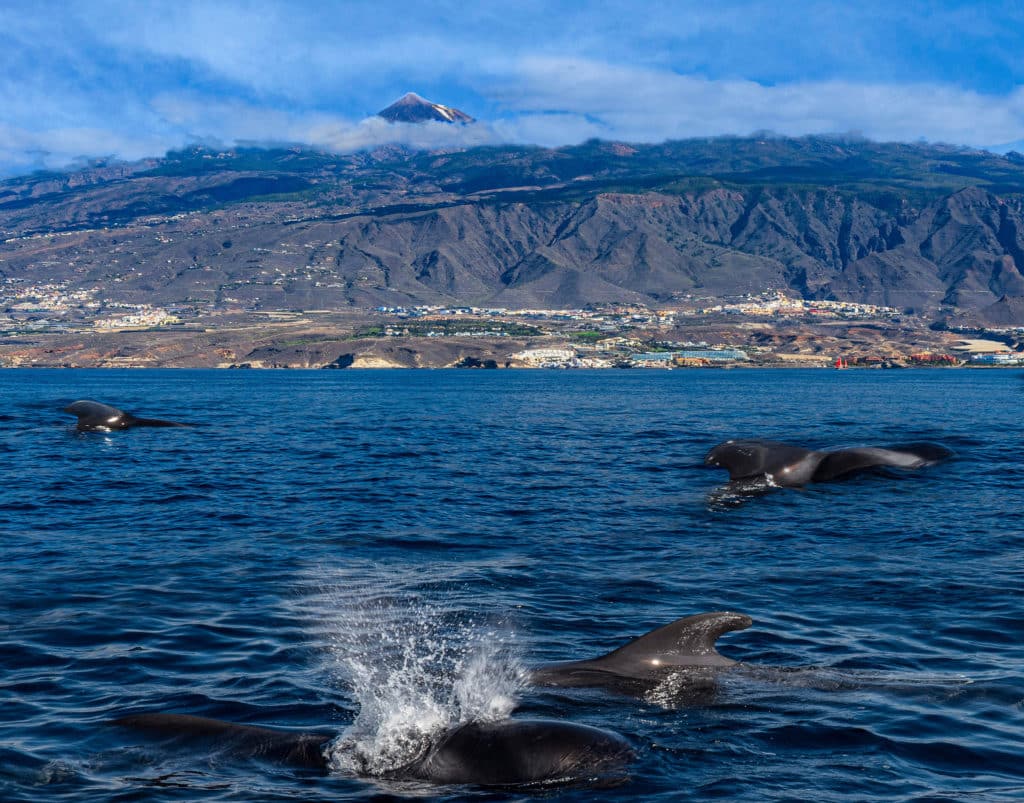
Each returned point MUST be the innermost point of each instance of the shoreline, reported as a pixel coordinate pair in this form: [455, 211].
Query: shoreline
[311, 344]
[515, 368]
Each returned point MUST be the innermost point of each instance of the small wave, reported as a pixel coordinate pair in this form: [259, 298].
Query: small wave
[832, 679]
[57, 772]
[178, 497]
[653, 434]
[21, 507]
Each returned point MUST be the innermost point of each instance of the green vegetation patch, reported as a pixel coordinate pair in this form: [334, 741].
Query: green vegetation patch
[369, 331]
[590, 336]
[309, 340]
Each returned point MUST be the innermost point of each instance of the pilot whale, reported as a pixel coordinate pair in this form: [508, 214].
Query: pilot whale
[94, 416]
[510, 752]
[684, 648]
[793, 466]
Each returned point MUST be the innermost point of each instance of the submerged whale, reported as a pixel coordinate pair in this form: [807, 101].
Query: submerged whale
[94, 416]
[793, 466]
[683, 650]
[511, 752]
[252, 741]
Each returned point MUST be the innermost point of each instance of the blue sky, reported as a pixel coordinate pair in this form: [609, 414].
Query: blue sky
[93, 78]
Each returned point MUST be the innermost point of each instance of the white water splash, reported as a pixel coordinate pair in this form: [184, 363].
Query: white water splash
[688, 686]
[738, 492]
[415, 668]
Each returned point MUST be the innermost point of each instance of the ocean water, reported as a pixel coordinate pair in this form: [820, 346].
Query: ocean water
[379, 555]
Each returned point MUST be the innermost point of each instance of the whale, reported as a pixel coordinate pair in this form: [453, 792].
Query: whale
[785, 465]
[516, 752]
[94, 416]
[293, 748]
[505, 753]
[683, 651]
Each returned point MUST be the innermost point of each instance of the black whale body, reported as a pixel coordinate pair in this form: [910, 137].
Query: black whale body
[515, 752]
[251, 741]
[511, 752]
[683, 650]
[793, 466]
[94, 416]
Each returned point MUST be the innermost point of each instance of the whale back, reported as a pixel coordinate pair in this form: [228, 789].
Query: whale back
[789, 465]
[250, 741]
[505, 753]
[514, 752]
[687, 642]
[94, 416]
[848, 461]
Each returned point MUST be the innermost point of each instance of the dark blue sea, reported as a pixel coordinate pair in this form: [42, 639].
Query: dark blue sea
[380, 554]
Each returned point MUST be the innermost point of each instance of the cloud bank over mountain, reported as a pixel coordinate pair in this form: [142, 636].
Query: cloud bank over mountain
[135, 79]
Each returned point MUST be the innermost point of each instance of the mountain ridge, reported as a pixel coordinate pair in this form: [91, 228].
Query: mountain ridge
[935, 229]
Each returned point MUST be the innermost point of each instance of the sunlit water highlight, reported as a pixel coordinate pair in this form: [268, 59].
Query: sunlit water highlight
[380, 555]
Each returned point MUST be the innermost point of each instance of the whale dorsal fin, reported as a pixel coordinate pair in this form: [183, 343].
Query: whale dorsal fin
[96, 415]
[87, 408]
[689, 641]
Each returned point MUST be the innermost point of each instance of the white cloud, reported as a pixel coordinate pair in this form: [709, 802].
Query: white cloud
[56, 148]
[279, 50]
[646, 105]
[551, 129]
[235, 121]
[551, 101]
[128, 78]
[342, 137]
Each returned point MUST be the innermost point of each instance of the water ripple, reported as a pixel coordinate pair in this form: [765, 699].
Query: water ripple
[271, 566]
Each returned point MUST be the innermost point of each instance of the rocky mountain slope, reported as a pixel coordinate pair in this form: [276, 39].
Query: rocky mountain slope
[933, 228]
[411, 108]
